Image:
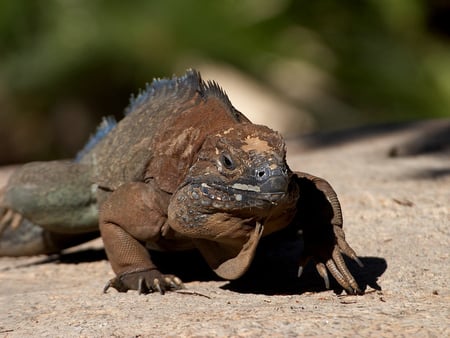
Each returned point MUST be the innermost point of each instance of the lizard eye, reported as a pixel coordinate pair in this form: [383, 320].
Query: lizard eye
[227, 161]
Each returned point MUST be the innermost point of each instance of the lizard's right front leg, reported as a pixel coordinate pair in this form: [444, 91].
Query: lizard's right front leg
[132, 215]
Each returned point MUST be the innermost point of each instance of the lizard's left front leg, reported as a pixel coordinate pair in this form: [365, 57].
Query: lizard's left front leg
[132, 215]
[320, 218]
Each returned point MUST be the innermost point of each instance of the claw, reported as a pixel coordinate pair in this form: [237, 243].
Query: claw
[304, 259]
[178, 282]
[175, 283]
[142, 286]
[343, 245]
[107, 286]
[357, 260]
[5, 219]
[9, 218]
[169, 281]
[157, 286]
[321, 269]
[15, 222]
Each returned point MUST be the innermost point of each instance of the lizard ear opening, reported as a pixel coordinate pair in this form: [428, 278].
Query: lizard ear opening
[230, 261]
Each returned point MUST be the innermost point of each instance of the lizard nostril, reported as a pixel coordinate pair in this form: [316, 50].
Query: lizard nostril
[262, 173]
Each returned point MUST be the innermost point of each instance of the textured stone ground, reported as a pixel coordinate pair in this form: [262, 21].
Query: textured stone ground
[397, 218]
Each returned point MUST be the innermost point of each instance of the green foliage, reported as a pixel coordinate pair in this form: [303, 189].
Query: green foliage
[378, 57]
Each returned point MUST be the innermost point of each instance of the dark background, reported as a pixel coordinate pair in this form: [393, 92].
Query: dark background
[66, 63]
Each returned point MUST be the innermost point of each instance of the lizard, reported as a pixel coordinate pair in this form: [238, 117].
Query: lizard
[182, 170]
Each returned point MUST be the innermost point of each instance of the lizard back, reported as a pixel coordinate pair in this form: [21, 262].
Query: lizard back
[162, 130]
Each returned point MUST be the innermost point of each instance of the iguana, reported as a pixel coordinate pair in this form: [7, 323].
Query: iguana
[182, 170]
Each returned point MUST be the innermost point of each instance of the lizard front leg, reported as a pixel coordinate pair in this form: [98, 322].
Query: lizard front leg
[134, 214]
[320, 218]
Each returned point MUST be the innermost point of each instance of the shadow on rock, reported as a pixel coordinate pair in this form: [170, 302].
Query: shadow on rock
[281, 278]
[82, 256]
[187, 265]
[271, 273]
[429, 136]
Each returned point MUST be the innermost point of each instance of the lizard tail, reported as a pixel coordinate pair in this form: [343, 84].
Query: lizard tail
[20, 237]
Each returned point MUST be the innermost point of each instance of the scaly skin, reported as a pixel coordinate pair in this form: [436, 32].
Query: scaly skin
[183, 170]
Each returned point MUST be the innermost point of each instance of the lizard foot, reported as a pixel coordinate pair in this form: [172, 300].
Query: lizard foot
[145, 281]
[330, 259]
[9, 218]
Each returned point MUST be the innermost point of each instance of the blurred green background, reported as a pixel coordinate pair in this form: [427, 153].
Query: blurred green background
[66, 63]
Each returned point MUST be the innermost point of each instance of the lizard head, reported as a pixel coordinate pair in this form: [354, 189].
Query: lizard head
[239, 178]
[241, 171]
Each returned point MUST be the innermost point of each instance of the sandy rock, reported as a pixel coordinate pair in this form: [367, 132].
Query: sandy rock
[397, 217]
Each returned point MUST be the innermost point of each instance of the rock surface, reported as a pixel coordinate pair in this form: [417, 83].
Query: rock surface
[396, 216]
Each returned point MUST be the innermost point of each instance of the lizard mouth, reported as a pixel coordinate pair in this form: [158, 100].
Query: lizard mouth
[271, 191]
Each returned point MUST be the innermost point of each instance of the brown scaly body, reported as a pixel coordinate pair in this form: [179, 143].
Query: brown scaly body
[183, 170]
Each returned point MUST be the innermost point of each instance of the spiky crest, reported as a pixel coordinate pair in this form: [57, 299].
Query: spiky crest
[176, 88]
